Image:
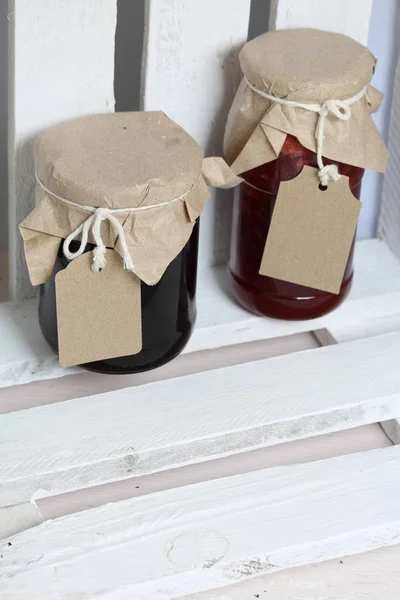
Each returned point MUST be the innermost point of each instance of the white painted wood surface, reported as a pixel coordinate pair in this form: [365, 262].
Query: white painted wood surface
[87, 383]
[191, 73]
[221, 322]
[392, 430]
[61, 66]
[339, 443]
[212, 534]
[342, 16]
[20, 517]
[389, 224]
[127, 433]
[372, 575]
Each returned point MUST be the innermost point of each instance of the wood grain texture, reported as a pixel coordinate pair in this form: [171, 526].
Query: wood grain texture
[311, 449]
[3, 275]
[87, 383]
[392, 430]
[195, 418]
[20, 517]
[61, 67]
[221, 322]
[190, 71]
[369, 576]
[212, 534]
[389, 222]
[351, 18]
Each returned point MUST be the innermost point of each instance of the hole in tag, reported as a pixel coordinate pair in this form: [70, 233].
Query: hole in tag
[323, 188]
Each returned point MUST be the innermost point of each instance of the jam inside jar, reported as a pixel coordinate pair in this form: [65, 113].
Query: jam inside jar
[253, 208]
[168, 313]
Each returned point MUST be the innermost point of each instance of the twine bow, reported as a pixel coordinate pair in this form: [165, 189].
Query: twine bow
[338, 108]
[93, 224]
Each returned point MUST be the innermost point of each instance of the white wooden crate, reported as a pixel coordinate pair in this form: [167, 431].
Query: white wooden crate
[197, 537]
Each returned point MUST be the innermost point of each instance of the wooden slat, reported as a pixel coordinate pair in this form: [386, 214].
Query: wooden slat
[389, 223]
[172, 423]
[212, 534]
[61, 67]
[221, 322]
[339, 443]
[191, 73]
[336, 334]
[3, 145]
[14, 519]
[369, 576]
[342, 16]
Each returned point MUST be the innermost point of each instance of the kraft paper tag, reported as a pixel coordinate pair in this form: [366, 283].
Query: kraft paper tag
[98, 314]
[311, 232]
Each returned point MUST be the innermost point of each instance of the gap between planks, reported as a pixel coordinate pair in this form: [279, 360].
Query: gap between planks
[85, 383]
[340, 335]
[321, 447]
[369, 576]
[14, 519]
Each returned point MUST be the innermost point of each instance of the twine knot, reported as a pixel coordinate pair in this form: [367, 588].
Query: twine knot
[341, 111]
[93, 224]
[338, 108]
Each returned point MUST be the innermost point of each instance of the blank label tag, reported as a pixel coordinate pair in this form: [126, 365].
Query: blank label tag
[98, 314]
[311, 232]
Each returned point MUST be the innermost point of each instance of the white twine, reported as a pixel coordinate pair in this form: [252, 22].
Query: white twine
[93, 223]
[339, 108]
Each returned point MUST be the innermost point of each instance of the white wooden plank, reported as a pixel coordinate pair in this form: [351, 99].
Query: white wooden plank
[191, 73]
[392, 430]
[3, 132]
[330, 445]
[88, 383]
[342, 16]
[191, 419]
[372, 575]
[212, 534]
[14, 519]
[62, 66]
[221, 322]
[4, 273]
[389, 224]
[337, 334]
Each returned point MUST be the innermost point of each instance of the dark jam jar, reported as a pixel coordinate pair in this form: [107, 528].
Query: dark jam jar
[253, 210]
[168, 313]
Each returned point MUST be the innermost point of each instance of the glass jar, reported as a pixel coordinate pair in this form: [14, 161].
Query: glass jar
[253, 210]
[168, 312]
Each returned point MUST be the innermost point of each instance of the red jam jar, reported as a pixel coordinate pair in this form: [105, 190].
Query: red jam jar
[253, 207]
[305, 100]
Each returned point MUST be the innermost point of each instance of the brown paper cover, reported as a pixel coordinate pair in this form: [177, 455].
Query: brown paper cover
[121, 160]
[304, 65]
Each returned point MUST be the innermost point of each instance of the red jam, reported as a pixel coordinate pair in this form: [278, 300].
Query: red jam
[253, 210]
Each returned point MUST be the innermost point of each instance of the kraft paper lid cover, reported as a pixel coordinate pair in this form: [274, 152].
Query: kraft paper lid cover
[307, 66]
[117, 161]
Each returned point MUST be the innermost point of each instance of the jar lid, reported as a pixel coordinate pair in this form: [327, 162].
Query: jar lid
[135, 182]
[313, 85]
[140, 169]
[307, 64]
[118, 160]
